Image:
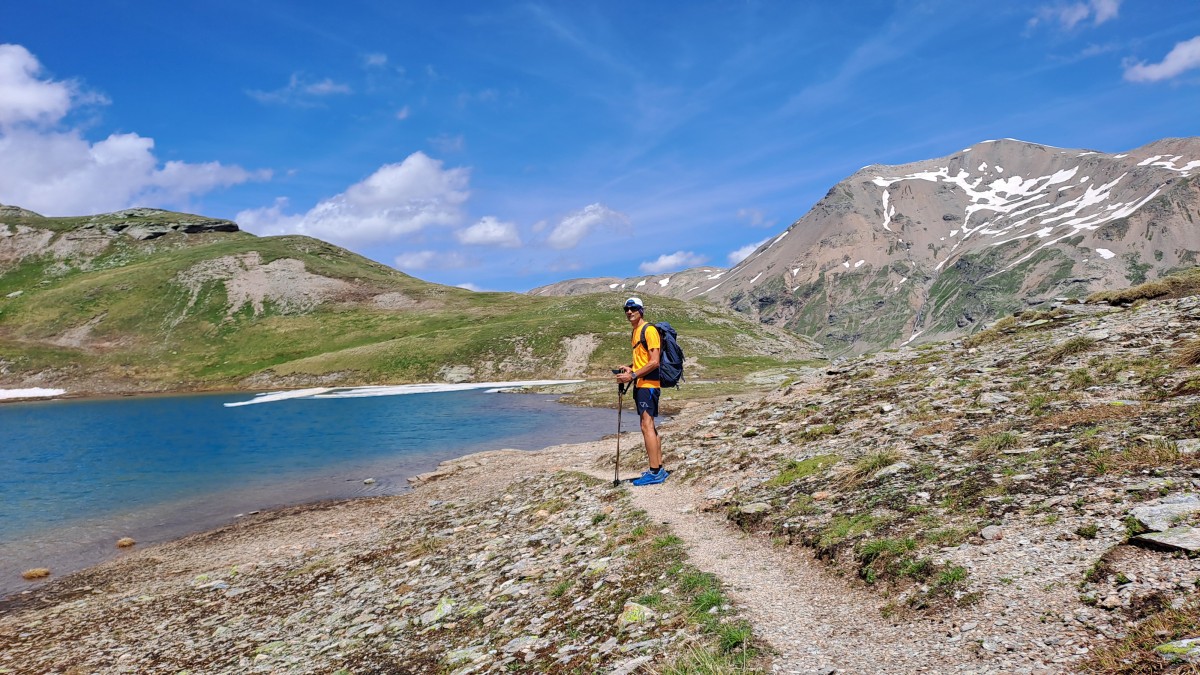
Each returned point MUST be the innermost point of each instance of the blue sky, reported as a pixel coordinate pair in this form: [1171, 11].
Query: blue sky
[505, 145]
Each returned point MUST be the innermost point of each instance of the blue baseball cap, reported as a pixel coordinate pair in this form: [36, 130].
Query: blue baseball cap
[633, 303]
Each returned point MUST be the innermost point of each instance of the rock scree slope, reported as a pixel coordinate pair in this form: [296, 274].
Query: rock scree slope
[1022, 501]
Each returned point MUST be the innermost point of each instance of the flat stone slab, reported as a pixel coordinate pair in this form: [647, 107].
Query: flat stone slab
[1163, 516]
[1184, 538]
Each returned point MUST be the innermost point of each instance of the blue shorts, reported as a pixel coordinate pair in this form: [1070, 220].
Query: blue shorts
[646, 400]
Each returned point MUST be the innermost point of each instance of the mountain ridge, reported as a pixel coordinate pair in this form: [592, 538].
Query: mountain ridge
[933, 249]
[149, 300]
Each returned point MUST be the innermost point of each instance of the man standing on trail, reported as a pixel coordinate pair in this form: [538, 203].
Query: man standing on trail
[647, 348]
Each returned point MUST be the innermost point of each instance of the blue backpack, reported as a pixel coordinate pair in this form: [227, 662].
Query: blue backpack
[670, 358]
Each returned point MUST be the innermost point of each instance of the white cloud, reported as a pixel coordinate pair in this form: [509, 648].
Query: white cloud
[1182, 57]
[744, 252]
[24, 97]
[57, 171]
[396, 200]
[755, 218]
[574, 227]
[670, 263]
[471, 287]
[375, 60]
[403, 113]
[300, 91]
[490, 231]
[1071, 14]
[415, 260]
[423, 260]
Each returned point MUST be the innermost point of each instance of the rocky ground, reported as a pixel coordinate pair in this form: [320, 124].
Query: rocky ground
[1020, 502]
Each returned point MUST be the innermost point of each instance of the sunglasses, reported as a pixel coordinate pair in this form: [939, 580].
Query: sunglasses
[632, 309]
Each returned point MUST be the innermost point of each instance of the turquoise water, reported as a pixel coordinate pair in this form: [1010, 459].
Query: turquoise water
[75, 476]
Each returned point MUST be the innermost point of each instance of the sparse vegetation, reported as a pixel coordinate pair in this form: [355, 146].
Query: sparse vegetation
[1071, 347]
[994, 443]
[1002, 328]
[1188, 354]
[1143, 456]
[793, 470]
[868, 465]
[1174, 286]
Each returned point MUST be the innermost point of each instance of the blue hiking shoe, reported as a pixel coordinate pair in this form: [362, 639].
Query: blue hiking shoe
[652, 477]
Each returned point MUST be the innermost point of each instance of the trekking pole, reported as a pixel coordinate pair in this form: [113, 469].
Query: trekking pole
[620, 408]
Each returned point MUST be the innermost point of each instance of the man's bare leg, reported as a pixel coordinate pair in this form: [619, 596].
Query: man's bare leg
[653, 445]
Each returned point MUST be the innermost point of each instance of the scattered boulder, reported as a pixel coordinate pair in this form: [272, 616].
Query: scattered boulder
[1180, 538]
[1163, 516]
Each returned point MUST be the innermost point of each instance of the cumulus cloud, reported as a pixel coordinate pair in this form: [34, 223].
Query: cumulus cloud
[1071, 14]
[396, 200]
[490, 231]
[575, 226]
[744, 252]
[57, 171]
[423, 260]
[23, 96]
[670, 263]
[300, 91]
[1182, 57]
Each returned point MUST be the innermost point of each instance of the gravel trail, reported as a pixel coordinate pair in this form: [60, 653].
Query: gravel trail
[815, 621]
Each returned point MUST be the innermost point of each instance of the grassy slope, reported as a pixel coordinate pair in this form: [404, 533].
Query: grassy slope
[143, 328]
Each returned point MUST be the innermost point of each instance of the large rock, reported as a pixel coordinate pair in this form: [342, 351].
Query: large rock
[1163, 516]
[1183, 538]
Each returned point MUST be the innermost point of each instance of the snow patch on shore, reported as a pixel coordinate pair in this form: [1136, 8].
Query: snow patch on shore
[31, 393]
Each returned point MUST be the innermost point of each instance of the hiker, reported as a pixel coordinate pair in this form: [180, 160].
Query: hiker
[646, 388]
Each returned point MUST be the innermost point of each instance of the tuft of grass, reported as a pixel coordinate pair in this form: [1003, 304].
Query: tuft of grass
[793, 470]
[1178, 285]
[817, 431]
[426, 546]
[1037, 404]
[886, 559]
[1076, 345]
[994, 443]
[997, 331]
[561, 588]
[1144, 456]
[1081, 378]
[950, 579]
[35, 573]
[950, 535]
[1087, 531]
[1188, 354]
[867, 465]
[845, 527]
[667, 541]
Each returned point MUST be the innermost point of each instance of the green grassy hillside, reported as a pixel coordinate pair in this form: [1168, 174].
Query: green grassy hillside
[210, 310]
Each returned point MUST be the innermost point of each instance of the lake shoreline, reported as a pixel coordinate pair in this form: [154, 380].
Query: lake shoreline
[85, 541]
